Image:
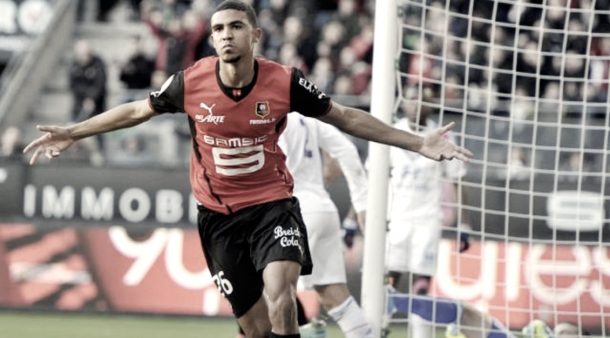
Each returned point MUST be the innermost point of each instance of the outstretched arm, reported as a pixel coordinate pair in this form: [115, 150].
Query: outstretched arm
[359, 123]
[57, 139]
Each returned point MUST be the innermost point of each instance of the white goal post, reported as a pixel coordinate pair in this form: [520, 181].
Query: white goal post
[382, 102]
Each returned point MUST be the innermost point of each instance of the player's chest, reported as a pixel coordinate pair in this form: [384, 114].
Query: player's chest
[245, 116]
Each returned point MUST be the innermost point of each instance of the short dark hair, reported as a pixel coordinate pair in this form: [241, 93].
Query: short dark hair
[239, 6]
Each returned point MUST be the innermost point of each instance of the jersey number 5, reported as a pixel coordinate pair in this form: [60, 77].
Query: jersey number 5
[239, 160]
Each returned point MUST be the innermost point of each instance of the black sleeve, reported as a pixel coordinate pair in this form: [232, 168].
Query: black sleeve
[170, 98]
[305, 97]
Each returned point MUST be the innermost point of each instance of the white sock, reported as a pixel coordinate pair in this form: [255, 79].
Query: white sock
[350, 318]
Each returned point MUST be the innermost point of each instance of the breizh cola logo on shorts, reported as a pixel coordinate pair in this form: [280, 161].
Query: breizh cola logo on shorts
[288, 237]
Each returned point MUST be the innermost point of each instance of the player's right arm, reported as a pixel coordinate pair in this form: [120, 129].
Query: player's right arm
[57, 139]
[168, 99]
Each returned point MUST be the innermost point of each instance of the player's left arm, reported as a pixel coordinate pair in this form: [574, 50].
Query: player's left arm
[359, 123]
[307, 99]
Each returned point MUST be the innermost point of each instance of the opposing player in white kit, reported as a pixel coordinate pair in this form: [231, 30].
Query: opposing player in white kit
[302, 141]
[416, 215]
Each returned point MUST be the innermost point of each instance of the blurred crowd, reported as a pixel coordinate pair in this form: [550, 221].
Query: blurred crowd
[508, 54]
[480, 53]
[329, 40]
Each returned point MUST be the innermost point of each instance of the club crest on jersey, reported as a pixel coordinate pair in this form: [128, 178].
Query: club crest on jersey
[262, 109]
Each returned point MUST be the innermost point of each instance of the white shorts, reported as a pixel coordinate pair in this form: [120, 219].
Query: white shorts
[326, 247]
[413, 247]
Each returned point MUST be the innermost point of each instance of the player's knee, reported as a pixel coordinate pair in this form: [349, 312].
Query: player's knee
[257, 332]
[256, 328]
[282, 306]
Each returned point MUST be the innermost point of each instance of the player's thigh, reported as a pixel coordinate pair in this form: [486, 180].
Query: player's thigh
[280, 278]
[398, 246]
[229, 261]
[322, 227]
[412, 246]
[424, 248]
[281, 236]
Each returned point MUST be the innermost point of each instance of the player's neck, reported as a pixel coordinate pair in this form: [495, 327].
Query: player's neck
[237, 75]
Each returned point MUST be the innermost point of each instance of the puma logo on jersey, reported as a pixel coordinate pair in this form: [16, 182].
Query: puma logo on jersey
[210, 117]
[205, 106]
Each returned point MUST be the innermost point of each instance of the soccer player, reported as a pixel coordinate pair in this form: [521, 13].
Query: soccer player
[463, 319]
[416, 214]
[302, 141]
[250, 225]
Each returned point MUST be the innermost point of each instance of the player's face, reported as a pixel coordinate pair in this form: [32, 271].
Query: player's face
[233, 36]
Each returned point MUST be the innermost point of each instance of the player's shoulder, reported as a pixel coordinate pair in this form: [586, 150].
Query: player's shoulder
[267, 65]
[208, 62]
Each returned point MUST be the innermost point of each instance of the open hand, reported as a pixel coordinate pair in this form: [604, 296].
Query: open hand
[438, 147]
[52, 143]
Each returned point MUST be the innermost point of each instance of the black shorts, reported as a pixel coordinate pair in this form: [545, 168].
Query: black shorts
[238, 246]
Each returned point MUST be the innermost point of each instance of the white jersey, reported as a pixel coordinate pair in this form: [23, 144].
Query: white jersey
[301, 142]
[416, 181]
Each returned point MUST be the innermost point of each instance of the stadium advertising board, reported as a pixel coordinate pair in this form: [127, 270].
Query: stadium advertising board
[162, 271]
[102, 196]
[110, 269]
[162, 197]
[516, 282]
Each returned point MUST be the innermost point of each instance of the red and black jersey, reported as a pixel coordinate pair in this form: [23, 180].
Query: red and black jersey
[236, 161]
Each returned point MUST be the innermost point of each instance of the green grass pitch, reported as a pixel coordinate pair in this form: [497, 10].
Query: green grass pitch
[28, 324]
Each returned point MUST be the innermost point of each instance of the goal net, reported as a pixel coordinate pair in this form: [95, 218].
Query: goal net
[527, 83]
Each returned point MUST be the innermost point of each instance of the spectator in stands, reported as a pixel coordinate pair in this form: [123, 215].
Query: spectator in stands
[136, 72]
[332, 38]
[517, 167]
[347, 15]
[343, 85]
[599, 71]
[573, 166]
[323, 74]
[358, 71]
[105, 7]
[135, 13]
[272, 34]
[88, 82]
[11, 143]
[362, 43]
[289, 55]
[295, 33]
[178, 32]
